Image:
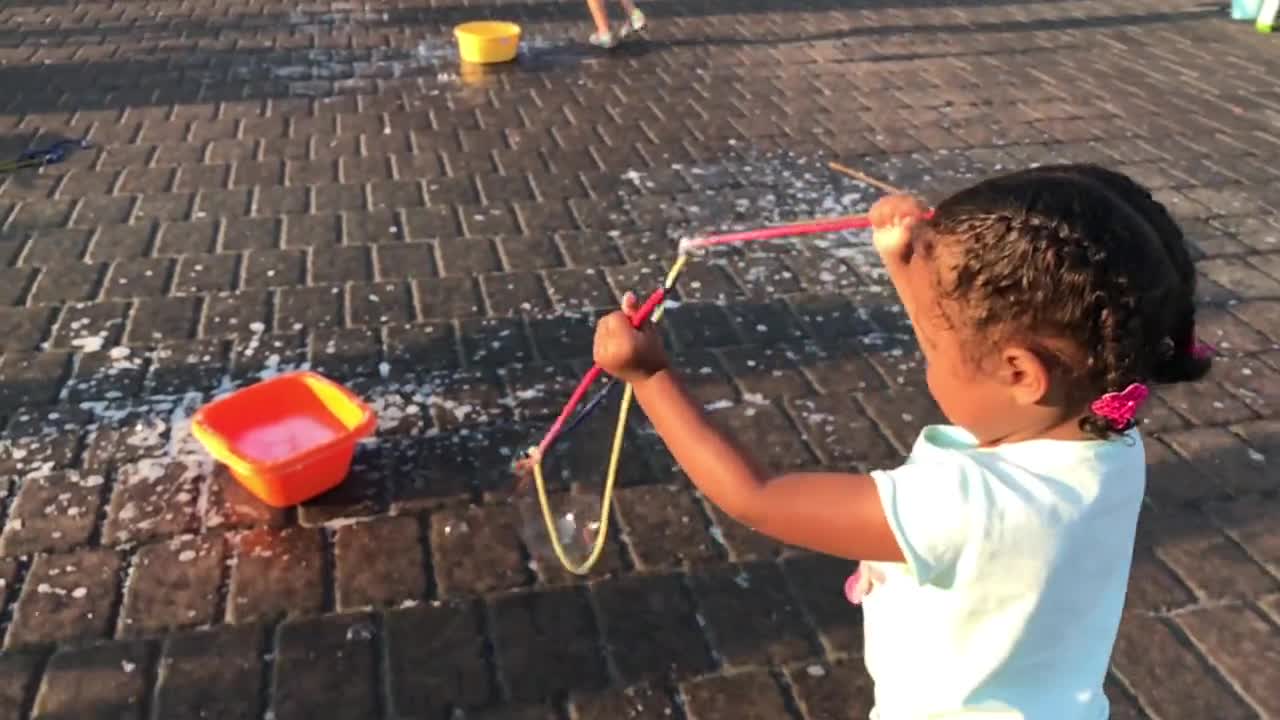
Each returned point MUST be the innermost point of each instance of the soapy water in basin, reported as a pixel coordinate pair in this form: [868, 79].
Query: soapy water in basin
[284, 438]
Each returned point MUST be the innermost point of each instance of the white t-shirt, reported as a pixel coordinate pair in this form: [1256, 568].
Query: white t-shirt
[1017, 561]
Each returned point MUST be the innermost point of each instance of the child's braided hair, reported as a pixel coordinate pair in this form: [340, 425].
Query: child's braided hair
[1075, 255]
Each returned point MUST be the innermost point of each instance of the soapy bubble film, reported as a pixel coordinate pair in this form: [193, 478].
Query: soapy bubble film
[577, 523]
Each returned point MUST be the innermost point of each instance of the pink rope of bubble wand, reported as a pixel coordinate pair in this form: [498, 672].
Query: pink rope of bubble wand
[778, 231]
[593, 374]
[810, 227]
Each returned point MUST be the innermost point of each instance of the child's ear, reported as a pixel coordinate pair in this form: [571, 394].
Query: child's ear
[1025, 374]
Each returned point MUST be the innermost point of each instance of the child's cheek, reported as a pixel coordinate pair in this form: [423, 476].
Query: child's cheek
[941, 387]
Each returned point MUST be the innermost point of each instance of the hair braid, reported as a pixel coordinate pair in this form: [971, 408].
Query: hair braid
[1081, 254]
[1175, 357]
[1119, 328]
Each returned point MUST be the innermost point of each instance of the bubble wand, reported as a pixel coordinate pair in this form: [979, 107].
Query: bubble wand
[651, 311]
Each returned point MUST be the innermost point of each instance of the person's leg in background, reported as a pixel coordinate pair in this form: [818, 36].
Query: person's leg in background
[603, 36]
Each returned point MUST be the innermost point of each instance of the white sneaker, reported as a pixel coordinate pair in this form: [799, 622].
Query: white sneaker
[634, 24]
[608, 41]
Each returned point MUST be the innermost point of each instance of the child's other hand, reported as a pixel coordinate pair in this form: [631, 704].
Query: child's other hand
[624, 352]
[892, 219]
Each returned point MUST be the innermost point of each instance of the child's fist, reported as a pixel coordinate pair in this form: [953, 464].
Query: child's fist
[892, 219]
[624, 352]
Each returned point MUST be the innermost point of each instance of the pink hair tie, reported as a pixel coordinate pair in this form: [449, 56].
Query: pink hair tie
[860, 584]
[1201, 350]
[853, 590]
[1118, 408]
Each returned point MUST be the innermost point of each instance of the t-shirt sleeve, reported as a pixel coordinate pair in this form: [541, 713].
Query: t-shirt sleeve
[935, 510]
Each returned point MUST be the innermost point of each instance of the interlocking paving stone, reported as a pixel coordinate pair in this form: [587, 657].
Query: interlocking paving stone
[666, 527]
[54, 512]
[325, 667]
[751, 617]
[173, 585]
[66, 597]
[424, 475]
[1208, 561]
[536, 711]
[18, 675]
[435, 659]
[229, 505]
[153, 498]
[818, 584]
[1246, 523]
[276, 572]
[841, 433]
[1172, 481]
[1147, 654]
[1244, 645]
[636, 702]
[650, 628]
[211, 673]
[1209, 403]
[477, 550]
[752, 695]
[1154, 586]
[771, 432]
[1224, 458]
[741, 542]
[378, 563]
[8, 576]
[359, 495]
[840, 692]
[102, 681]
[546, 642]
[333, 191]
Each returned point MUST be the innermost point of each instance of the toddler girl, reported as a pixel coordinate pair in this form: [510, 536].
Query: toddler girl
[995, 560]
[604, 36]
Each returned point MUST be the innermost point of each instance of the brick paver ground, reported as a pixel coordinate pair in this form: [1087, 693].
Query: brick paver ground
[274, 184]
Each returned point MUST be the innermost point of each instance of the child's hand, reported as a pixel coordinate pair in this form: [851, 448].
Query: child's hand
[624, 352]
[892, 219]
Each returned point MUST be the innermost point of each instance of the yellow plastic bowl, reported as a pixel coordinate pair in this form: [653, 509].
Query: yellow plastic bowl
[487, 41]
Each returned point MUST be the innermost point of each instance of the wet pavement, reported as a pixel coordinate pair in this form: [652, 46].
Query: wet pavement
[275, 186]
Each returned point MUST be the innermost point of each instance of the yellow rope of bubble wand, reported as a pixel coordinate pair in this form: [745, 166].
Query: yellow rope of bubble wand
[611, 475]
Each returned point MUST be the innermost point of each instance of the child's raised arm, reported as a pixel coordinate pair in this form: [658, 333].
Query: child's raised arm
[835, 513]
